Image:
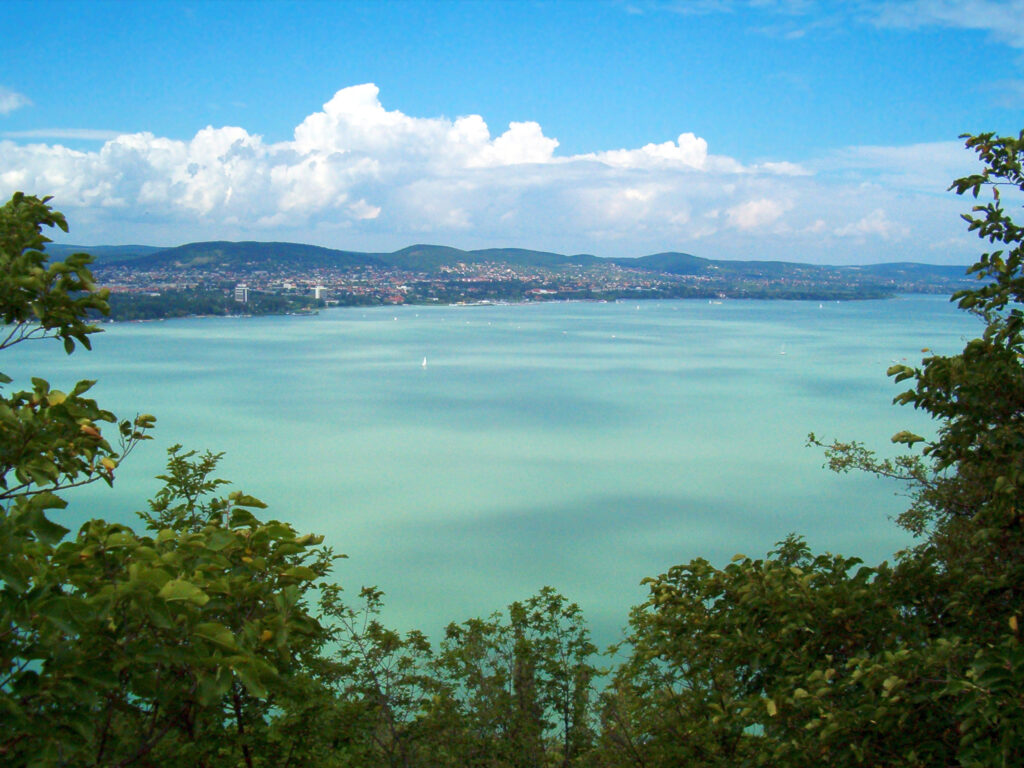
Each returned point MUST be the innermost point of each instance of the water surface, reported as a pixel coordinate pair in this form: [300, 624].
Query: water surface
[580, 445]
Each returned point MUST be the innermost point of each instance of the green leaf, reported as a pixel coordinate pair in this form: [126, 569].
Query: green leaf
[213, 687]
[301, 572]
[216, 633]
[242, 518]
[249, 678]
[907, 438]
[244, 500]
[220, 539]
[45, 530]
[181, 590]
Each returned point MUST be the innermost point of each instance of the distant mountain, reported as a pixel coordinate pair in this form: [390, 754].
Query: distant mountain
[103, 254]
[688, 264]
[431, 257]
[535, 258]
[418, 258]
[908, 270]
[671, 262]
[252, 255]
[424, 258]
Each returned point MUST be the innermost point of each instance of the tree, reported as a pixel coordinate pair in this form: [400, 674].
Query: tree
[382, 687]
[804, 660]
[521, 688]
[49, 440]
[967, 485]
[180, 647]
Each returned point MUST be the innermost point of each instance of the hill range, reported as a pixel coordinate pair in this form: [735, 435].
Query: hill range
[250, 256]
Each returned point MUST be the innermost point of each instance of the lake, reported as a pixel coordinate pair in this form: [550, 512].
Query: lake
[578, 445]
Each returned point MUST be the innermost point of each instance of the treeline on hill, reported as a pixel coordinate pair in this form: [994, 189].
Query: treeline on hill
[213, 637]
[191, 302]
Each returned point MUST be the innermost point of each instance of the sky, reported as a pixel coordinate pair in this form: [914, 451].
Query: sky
[822, 132]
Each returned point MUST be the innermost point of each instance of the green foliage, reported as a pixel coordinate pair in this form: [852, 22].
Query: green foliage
[39, 300]
[804, 660]
[520, 687]
[118, 648]
[497, 692]
[50, 439]
[381, 683]
[199, 301]
[797, 659]
[118, 645]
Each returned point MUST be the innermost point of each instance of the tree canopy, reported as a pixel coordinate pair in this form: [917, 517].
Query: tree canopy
[803, 659]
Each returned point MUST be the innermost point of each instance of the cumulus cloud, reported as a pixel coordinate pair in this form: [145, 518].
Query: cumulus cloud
[754, 214]
[11, 100]
[354, 123]
[357, 175]
[689, 150]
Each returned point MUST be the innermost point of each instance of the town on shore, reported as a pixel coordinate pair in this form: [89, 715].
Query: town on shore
[222, 278]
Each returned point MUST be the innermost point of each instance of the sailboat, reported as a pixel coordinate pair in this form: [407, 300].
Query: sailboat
[424, 364]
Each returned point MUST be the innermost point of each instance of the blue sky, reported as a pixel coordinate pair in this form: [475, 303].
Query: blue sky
[800, 130]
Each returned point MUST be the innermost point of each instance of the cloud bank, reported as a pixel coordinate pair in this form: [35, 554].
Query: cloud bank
[357, 175]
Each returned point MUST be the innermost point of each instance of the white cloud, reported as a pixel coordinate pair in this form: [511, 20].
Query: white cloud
[11, 100]
[521, 143]
[354, 123]
[782, 168]
[356, 175]
[755, 214]
[1002, 19]
[689, 150]
[875, 224]
[926, 167]
[86, 134]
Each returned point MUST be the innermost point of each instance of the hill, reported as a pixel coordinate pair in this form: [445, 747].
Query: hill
[249, 255]
[257, 255]
[103, 254]
[425, 273]
[253, 255]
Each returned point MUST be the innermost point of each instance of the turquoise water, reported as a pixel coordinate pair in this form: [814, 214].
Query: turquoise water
[580, 445]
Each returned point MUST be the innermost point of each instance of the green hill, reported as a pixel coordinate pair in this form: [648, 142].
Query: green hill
[671, 262]
[253, 255]
[529, 258]
[103, 254]
[250, 255]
